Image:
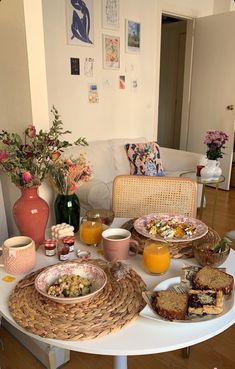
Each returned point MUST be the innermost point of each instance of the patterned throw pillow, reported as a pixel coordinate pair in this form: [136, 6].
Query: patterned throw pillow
[144, 159]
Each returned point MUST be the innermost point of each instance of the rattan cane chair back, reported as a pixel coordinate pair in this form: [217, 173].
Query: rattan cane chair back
[135, 196]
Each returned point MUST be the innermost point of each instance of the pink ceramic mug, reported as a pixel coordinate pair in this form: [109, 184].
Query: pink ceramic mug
[19, 255]
[116, 244]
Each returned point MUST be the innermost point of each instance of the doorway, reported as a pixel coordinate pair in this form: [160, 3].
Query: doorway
[175, 70]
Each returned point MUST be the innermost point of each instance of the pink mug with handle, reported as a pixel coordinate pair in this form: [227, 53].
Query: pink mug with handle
[116, 244]
[18, 254]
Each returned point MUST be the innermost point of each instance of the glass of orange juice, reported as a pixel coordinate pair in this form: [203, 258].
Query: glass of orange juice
[156, 257]
[91, 231]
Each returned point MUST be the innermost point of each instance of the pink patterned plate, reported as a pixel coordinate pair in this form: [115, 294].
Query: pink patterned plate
[141, 223]
[48, 276]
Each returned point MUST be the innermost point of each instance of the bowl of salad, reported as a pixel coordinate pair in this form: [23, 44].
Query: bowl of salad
[71, 282]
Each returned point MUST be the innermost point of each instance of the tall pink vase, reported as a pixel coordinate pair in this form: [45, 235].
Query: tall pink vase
[31, 214]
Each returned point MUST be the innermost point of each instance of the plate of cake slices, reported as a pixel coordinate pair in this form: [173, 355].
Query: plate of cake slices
[210, 297]
[170, 228]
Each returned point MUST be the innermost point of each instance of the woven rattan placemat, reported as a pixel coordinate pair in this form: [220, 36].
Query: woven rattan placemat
[113, 308]
[177, 249]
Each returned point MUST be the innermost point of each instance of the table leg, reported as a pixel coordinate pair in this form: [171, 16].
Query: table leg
[120, 362]
[214, 206]
[202, 201]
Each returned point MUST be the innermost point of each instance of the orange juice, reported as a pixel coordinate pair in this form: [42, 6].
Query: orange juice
[156, 257]
[90, 232]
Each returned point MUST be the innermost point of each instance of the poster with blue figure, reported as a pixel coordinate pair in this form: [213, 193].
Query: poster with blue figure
[80, 22]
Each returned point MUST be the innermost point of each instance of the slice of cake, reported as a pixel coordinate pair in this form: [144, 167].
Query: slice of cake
[209, 278]
[205, 302]
[171, 305]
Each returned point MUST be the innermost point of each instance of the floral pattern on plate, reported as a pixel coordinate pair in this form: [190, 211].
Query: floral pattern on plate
[86, 270]
[140, 226]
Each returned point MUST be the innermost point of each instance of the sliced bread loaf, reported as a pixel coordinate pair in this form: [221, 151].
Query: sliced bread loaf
[205, 302]
[209, 278]
[171, 305]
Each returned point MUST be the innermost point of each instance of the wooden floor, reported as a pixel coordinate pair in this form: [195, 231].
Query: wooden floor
[218, 352]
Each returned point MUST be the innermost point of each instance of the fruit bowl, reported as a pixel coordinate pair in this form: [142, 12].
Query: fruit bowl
[50, 275]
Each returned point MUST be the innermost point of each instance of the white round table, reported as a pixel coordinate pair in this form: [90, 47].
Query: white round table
[143, 336]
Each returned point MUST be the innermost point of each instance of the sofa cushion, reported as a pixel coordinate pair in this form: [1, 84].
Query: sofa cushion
[144, 158]
[100, 157]
[121, 162]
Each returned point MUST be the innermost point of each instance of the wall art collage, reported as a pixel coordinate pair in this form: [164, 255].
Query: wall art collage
[80, 32]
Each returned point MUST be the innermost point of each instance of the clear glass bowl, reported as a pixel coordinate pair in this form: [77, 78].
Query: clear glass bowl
[106, 216]
[205, 256]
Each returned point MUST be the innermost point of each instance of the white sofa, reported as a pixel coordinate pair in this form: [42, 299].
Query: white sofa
[108, 159]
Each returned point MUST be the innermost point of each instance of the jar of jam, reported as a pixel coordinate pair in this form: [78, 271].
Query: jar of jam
[69, 240]
[62, 250]
[50, 247]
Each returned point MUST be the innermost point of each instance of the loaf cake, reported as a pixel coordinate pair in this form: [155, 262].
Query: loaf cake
[209, 278]
[205, 302]
[171, 305]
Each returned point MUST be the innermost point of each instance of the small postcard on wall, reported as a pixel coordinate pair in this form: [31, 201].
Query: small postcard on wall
[75, 66]
[122, 82]
[93, 96]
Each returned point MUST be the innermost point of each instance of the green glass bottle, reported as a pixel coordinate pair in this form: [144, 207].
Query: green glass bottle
[67, 210]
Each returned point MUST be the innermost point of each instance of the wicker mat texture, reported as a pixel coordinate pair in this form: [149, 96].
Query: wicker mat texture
[179, 249]
[113, 308]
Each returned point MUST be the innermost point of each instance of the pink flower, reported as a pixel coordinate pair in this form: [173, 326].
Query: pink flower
[27, 177]
[3, 155]
[73, 186]
[30, 131]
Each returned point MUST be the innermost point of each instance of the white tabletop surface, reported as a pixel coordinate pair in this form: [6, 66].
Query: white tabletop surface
[143, 336]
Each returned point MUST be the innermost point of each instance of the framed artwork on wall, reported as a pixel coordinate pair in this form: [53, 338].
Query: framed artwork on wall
[80, 22]
[110, 14]
[111, 52]
[132, 36]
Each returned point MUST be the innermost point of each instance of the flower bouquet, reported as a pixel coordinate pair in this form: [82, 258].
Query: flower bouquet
[215, 141]
[68, 174]
[28, 159]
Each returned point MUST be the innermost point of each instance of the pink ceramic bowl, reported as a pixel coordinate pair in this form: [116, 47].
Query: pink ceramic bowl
[48, 276]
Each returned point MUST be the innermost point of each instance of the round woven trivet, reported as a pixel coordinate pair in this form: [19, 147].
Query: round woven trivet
[115, 306]
[179, 249]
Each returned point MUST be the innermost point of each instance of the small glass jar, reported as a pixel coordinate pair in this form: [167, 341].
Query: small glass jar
[50, 247]
[69, 240]
[62, 250]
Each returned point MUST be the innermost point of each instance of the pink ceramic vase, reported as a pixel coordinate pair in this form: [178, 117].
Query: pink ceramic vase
[31, 214]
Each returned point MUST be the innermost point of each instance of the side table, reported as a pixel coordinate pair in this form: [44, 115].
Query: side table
[199, 180]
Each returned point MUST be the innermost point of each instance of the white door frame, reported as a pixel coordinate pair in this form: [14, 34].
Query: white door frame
[187, 77]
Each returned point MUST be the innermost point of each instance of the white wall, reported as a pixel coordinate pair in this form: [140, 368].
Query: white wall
[119, 113]
[15, 103]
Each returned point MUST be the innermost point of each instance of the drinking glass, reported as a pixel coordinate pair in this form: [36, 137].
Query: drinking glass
[91, 231]
[156, 257]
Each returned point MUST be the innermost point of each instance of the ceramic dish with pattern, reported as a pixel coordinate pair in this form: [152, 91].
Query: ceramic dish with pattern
[50, 275]
[171, 228]
[149, 312]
